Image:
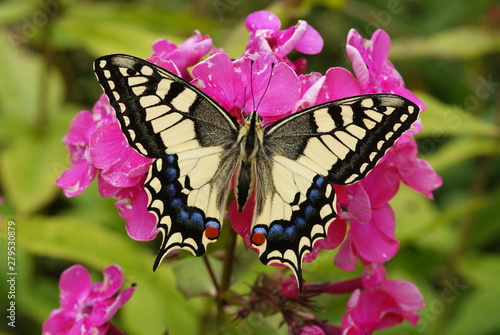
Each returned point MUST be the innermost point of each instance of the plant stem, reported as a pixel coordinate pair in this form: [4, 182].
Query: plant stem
[212, 275]
[227, 266]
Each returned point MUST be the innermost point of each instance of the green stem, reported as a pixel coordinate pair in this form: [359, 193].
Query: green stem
[227, 267]
[212, 275]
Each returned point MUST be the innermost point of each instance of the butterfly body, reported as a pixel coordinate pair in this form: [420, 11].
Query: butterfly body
[288, 167]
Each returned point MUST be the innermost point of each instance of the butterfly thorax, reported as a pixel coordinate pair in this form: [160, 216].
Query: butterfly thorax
[250, 137]
[250, 142]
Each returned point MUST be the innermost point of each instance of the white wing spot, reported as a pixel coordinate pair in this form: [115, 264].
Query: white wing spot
[389, 110]
[139, 89]
[337, 147]
[367, 103]
[155, 183]
[158, 204]
[157, 111]
[347, 139]
[347, 114]
[149, 100]
[404, 117]
[356, 131]
[325, 211]
[389, 135]
[166, 121]
[147, 70]
[369, 124]
[141, 148]
[126, 120]
[107, 73]
[136, 80]
[373, 115]
[351, 178]
[324, 121]
[184, 100]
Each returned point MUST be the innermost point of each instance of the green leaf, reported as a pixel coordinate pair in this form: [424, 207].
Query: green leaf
[92, 245]
[414, 214]
[461, 149]
[440, 119]
[461, 42]
[29, 166]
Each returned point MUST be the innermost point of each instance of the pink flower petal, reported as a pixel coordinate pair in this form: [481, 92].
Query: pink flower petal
[59, 323]
[132, 206]
[262, 20]
[381, 46]
[121, 165]
[120, 300]
[113, 280]
[76, 179]
[311, 42]
[345, 258]
[75, 286]
[408, 297]
[359, 67]
[359, 205]
[339, 83]
[216, 77]
[80, 129]
[375, 241]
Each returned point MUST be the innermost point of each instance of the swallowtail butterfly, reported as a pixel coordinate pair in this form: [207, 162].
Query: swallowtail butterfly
[199, 148]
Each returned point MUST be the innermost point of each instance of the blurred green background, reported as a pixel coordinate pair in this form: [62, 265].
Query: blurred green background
[448, 52]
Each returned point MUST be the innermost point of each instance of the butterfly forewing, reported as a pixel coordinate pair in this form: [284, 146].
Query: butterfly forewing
[159, 112]
[343, 139]
[191, 136]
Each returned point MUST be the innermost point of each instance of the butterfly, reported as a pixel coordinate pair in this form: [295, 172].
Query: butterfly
[199, 149]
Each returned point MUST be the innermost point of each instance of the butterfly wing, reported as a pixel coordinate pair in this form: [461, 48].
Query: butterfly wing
[189, 135]
[337, 142]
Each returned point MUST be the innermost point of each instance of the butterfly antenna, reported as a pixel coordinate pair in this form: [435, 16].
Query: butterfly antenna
[251, 83]
[267, 86]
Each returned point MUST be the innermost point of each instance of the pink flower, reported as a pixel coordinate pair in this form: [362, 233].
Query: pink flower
[375, 73]
[132, 205]
[184, 55]
[382, 303]
[75, 180]
[413, 171]
[249, 83]
[87, 308]
[119, 164]
[312, 330]
[265, 36]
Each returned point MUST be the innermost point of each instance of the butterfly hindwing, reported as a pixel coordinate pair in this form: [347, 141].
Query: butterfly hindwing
[187, 193]
[293, 215]
[189, 135]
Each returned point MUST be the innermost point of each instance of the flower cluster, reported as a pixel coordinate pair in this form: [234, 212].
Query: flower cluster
[87, 308]
[364, 228]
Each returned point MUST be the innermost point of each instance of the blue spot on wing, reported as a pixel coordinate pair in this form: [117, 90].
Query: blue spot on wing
[188, 221]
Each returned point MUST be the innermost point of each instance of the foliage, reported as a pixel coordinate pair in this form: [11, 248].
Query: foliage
[449, 247]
